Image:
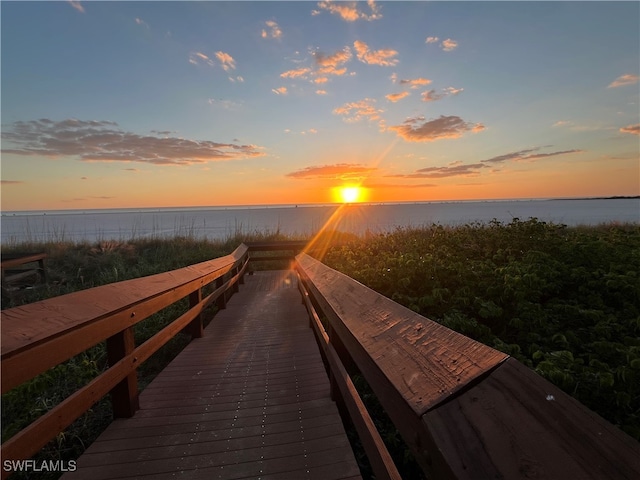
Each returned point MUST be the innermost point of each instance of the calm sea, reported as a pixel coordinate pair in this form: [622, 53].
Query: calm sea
[221, 222]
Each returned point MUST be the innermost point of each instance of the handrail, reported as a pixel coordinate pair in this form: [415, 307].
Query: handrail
[381, 462]
[294, 247]
[43, 334]
[465, 410]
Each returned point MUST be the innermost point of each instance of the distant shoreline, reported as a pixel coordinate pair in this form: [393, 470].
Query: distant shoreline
[74, 211]
[617, 197]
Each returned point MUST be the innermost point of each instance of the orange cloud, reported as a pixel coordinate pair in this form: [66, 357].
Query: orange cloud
[375, 57]
[394, 97]
[415, 82]
[431, 40]
[419, 130]
[331, 64]
[355, 111]
[632, 129]
[621, 81]
[339, 171]
[449, 45]
[280, 91]
[227, 62]
[297, 73]
[274, 30]
[348, 11]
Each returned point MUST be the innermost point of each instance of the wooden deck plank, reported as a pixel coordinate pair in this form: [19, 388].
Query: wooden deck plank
[248, 400]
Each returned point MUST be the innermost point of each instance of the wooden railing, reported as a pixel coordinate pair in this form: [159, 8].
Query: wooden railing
[288, 250]
[10, 262]
[43, 334]
[465, 410]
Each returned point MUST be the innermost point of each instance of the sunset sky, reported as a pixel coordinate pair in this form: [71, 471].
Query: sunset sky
[157, 104]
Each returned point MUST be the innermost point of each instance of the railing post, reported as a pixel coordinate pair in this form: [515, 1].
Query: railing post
[222, 299]
[236, 285]
[340, 350]
[124, 396]
[243, 263]
[195, 327]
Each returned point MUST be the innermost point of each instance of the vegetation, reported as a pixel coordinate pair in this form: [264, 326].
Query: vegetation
[564, 301]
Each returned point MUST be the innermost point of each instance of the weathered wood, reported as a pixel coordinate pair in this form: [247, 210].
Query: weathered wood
[11, 261]
[419, 361]
[341, 383]
[29, 440]
[291, 245]
[248, 400]
[12, 276]
[195, 328]
[40, 335]
[124, 396]
[502, 420]
[515, 424]
[377, 453]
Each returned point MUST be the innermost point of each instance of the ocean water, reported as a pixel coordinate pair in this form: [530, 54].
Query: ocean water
[223, 222]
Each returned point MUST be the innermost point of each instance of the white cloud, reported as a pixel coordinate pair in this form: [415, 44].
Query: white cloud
[432, 95]
[198, 58]
[77, 5]
[141, 22]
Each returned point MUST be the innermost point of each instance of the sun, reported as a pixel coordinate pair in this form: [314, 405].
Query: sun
[350, 194]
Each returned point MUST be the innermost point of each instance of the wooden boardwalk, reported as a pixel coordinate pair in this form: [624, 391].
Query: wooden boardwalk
[249, 400]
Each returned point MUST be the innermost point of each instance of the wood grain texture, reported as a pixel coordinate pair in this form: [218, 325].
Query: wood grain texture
[423, 361]
[248, 400]
[43, 334]
[514, 424]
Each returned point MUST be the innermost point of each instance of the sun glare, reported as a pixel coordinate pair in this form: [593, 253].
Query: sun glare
[350, 194]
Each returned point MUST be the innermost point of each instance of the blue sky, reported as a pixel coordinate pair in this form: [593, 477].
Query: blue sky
[134, 104]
